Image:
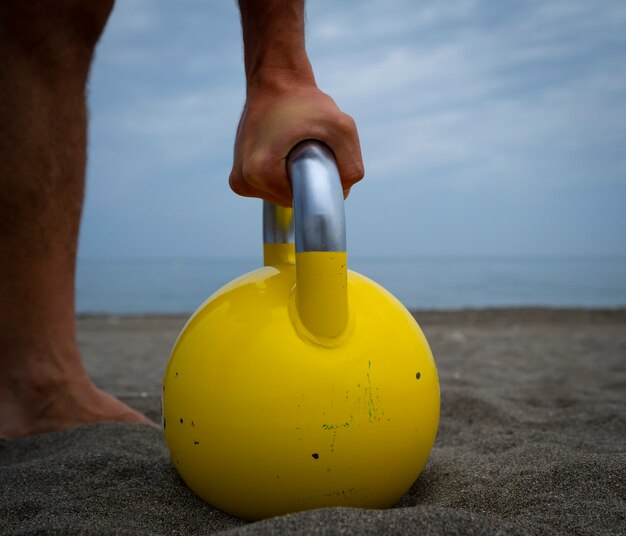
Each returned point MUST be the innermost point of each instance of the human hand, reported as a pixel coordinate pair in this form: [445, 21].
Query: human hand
[276, 117]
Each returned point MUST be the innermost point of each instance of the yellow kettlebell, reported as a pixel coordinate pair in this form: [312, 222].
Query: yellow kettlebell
[301, 385]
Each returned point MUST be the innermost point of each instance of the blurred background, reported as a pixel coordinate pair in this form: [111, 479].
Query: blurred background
[493, 135]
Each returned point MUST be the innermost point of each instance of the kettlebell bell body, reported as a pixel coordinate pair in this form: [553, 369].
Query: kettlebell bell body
[302, 384]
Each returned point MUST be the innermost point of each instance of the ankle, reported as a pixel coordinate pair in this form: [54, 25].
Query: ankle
[32, 375]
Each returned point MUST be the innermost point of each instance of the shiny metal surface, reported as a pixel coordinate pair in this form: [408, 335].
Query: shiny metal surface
[277, 224]
[317, 198]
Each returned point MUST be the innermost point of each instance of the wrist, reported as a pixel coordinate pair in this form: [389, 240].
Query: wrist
[274, 49]
[279, 79]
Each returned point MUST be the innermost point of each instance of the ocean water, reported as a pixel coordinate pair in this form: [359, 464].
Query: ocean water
[126, 286]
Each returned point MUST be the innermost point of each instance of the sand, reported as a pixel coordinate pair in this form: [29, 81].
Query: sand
[531, 440]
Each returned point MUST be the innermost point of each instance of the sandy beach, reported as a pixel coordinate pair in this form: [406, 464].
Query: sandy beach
[531, 440]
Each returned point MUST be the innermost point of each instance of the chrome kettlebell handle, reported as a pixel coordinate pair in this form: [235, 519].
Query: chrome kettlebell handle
[318, 206]
[320, 239]
[320, 223]
[277, 224]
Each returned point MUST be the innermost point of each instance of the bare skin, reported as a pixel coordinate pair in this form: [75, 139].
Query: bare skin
[284, 105]
[46, 48]
[45, 52]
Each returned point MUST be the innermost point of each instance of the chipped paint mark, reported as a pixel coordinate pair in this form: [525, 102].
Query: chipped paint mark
[315, 455]
[196, 442]
[181, 420]
[418, 375]
[344, 494]
[372, 410]
[369, 383]
[334, 428]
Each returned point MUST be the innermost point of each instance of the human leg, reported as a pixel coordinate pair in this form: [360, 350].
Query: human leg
[46, 48]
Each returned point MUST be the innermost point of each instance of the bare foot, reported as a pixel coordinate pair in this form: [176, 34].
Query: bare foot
[45, 59]
[65, 406]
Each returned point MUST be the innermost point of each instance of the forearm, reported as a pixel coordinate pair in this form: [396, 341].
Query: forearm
[284, 105]
[273, 38]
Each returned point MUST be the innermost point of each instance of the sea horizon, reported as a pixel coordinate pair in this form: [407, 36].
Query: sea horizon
[178, 285]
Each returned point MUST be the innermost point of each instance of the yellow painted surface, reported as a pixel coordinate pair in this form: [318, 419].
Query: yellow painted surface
[274, 254]
[261, 419]
[284, 216]
[321, 291]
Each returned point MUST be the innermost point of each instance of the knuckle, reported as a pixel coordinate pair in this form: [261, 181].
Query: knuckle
[359, 171]
[355, 173]
[236, 184]
[346, 124]
[257, 168]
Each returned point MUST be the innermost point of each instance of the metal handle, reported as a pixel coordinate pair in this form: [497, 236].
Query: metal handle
[317, 203]
[320, 239]
[277, 224]
[317, 198]
[278, 247]
[320, 232]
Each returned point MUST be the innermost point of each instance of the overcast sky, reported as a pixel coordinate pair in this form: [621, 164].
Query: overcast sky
[488, 128]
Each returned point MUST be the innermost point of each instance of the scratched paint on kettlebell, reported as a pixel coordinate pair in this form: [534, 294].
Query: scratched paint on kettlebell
[341, 494]
[374, 407]
[334, 428]
[367, 398]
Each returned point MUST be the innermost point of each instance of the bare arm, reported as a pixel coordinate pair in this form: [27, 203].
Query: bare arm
[284, 105]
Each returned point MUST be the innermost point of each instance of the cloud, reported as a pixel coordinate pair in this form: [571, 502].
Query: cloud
[475, 90]
[504, 103]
